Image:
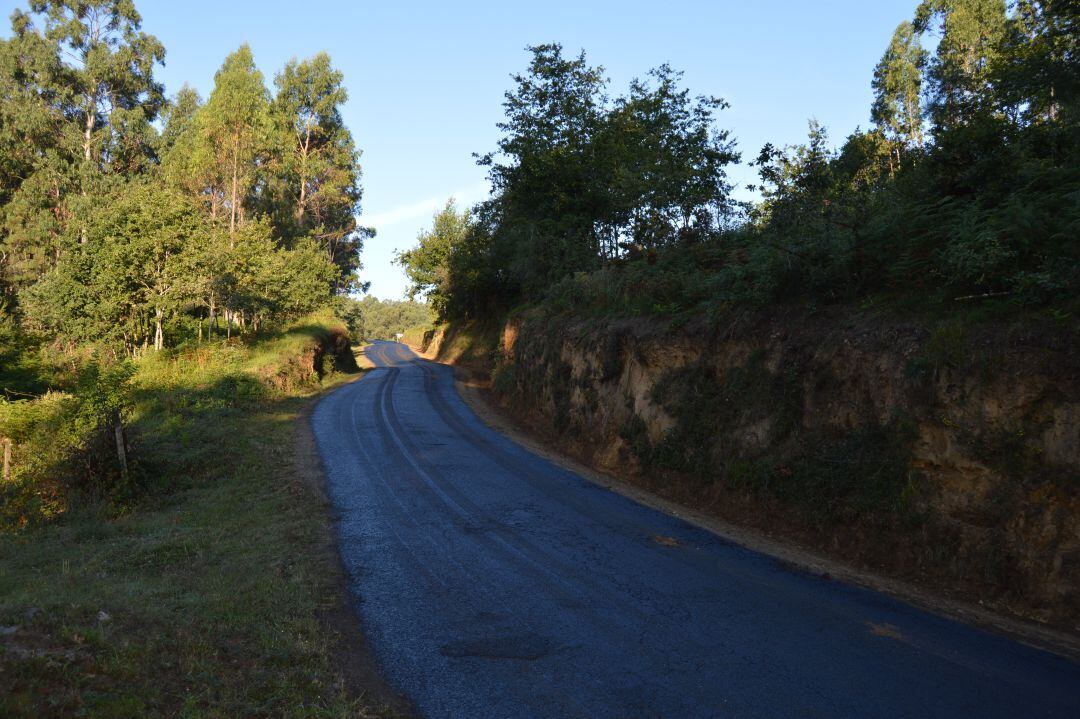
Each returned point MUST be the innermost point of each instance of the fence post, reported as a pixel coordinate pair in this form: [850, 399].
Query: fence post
[7, 457]
[121, 452]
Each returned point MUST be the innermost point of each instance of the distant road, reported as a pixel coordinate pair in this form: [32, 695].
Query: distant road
[494, 584]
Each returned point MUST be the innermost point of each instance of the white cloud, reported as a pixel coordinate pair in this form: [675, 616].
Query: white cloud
[423, 209]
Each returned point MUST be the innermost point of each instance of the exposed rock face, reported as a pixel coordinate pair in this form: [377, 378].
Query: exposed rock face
[942, 456]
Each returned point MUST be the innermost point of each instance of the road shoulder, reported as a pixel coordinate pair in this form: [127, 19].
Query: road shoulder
[351, 651]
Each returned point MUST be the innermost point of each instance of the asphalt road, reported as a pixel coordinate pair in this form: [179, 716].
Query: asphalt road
[492, 583]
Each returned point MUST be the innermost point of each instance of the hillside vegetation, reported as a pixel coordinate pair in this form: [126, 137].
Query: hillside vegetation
[140, 232]
[965, 189]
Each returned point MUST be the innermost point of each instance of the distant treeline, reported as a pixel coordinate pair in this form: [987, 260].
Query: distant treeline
[373, 319]
[135, 220]
[967, 184]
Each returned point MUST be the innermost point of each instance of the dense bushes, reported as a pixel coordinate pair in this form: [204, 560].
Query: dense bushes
[65, 442]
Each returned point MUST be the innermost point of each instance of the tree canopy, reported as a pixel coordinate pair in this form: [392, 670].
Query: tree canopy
[133, 220]
[966, 185]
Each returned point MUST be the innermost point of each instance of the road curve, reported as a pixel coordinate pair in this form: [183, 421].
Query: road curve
[492, 583]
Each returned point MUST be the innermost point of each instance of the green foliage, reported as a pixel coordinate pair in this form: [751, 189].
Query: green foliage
[318, 191]
[961, 70]
[242, 208]
[371, 318]
[703, 402]
[223, 572]
[621, 205]
[78, 98]
[861, 475]
[151, 257]
[22, 369]
[230, 139]
[897, 88]
[64, 445]
[578, 181]
[429, 266]
[64, 442]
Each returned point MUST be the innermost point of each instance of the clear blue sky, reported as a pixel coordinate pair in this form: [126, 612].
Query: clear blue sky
[426, 79]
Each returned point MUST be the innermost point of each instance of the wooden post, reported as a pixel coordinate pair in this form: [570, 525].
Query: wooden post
[7, 457]
[121, 452]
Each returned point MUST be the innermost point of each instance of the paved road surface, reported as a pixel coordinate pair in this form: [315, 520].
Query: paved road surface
[494, 584]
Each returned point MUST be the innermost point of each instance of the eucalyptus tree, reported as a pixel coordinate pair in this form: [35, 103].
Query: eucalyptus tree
[178, 116]
[108, 82]
[960, 72]
[897, 85]
[1038, 70]
[224, 150]
[79, 96]
[318, 182]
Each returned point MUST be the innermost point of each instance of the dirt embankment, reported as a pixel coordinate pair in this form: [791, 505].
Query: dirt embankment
[945, 457]
[311, 355]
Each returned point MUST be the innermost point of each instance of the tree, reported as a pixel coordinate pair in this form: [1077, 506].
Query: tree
[179, 115]
[579, 179]
[129, 277]
[112, 232]
[320, 171]
[223, 152]
[371, 318]
[427, 265]
[666, 163]
[545, 171]
[897, 87]
[1037, 74]
[110, 74]
[960, 72]
[79, 96]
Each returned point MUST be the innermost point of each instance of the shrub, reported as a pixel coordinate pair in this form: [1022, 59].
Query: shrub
[65, 444]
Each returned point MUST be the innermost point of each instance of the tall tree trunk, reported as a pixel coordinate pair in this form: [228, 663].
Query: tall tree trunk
[88, 133]
[301, 206]
[159, 332]
[88, 137]
[212, 318]
[235, 187]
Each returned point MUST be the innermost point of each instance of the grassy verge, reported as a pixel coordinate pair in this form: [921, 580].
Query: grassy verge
[203, 597]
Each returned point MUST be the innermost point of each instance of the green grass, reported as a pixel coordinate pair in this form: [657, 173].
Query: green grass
[203, 595]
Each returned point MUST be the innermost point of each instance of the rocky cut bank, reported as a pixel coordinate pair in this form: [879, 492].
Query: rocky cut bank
[942, 455]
